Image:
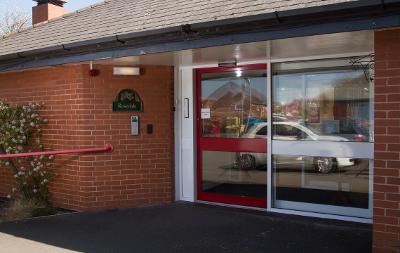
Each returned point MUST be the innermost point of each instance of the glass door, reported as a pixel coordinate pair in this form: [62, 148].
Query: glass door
[232, 135]
[322, 141]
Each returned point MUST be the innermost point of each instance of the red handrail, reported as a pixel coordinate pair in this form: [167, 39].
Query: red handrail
[106, 148]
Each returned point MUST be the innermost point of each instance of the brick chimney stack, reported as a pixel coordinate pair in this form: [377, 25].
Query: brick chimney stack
[48, 9]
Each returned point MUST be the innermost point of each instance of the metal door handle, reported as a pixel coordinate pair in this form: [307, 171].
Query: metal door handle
[186, 113]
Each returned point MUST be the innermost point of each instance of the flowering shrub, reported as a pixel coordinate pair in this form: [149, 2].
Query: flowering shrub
[20, 132]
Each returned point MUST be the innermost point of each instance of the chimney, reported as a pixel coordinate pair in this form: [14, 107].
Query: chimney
[48, 9]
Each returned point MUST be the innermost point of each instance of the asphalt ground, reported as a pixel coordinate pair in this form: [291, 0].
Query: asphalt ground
[184, 227]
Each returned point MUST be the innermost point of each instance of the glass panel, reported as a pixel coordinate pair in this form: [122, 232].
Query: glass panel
[321, 101]
[243, 174]
[234, 104]
[322, 180]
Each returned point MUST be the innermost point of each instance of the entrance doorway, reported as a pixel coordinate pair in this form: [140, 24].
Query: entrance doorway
[292, 135]
[232, 135]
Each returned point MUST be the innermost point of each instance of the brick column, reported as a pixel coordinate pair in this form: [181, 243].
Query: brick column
[386, 229]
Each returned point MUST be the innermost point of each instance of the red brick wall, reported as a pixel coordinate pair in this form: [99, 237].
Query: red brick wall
[387, 142]
[138, 172]
[57, 88]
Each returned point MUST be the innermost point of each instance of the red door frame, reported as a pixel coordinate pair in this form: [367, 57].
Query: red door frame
[225, 144]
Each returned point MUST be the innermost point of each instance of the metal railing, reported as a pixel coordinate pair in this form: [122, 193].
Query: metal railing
[106, 148]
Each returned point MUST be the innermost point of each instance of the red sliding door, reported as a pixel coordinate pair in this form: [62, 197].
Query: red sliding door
[232, 135]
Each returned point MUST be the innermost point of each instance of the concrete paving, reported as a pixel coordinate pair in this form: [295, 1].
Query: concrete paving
[12, 244]
[183, 227]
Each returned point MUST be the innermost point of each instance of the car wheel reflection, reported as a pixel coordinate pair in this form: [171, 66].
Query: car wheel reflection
[325, 164]
[246, 162]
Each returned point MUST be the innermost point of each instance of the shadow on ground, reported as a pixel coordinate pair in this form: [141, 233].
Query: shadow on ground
[183, 227]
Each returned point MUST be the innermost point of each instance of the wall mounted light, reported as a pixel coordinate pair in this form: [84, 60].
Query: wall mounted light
[126, 71]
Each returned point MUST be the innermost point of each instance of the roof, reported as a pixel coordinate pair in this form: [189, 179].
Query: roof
[119, 17]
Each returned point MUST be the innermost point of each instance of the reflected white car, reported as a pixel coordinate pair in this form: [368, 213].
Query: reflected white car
[291, 131]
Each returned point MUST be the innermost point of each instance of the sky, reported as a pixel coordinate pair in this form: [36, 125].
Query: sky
[26, 5]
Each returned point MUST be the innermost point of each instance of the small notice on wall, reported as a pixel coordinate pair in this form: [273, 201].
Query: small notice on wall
[205, 113]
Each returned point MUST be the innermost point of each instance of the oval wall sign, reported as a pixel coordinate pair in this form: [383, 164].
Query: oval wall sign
[128, 100]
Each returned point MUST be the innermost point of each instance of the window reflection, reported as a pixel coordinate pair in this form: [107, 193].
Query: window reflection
[235, 173]
[233, 105]
[322, 180]
[315, 101]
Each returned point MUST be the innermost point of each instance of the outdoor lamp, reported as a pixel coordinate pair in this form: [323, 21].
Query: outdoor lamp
[126, 71]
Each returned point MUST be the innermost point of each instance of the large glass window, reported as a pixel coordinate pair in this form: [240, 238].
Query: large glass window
[233, 104]
[327, 102]
[321, 101]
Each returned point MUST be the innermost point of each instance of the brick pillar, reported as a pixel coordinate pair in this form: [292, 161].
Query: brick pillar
[386, 229]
